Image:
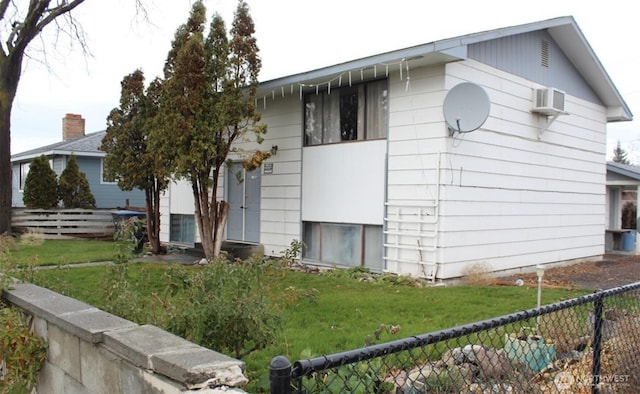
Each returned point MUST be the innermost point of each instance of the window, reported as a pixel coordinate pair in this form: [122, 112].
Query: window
[346, 114]
[343, 244]
[103, 178]
[182, 229]
[24, 171]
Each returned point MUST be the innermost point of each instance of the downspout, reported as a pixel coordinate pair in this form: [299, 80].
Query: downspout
[385, 208]
[637, 241]
[436, 229]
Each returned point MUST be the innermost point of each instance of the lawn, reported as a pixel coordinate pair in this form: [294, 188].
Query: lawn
[330, 312]
[54, 252]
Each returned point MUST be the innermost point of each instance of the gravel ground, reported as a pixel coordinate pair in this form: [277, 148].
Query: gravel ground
[612, 271]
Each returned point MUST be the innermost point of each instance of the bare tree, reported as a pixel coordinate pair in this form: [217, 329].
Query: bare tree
[20, 23]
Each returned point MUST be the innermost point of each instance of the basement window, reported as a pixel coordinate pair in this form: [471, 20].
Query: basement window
[182, 229]
[343, 244]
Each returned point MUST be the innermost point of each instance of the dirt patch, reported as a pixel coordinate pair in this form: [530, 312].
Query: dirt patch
[611, 271]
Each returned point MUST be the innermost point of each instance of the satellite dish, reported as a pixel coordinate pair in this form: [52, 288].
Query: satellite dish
[466, 107]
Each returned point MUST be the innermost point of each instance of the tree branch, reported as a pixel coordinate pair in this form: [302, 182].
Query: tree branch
[4, 5]
[37, 18]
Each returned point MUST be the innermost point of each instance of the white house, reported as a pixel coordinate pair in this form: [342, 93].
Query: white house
[369, 172]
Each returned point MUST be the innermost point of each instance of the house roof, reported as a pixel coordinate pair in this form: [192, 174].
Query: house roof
[564, 30]
[86, 145]
[625, 170]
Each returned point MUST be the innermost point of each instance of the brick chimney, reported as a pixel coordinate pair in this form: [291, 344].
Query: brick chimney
[72, 126]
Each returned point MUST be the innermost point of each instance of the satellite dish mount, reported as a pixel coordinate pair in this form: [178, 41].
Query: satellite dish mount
[466, 108]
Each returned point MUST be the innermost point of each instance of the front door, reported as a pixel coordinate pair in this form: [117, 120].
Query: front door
[244, 204]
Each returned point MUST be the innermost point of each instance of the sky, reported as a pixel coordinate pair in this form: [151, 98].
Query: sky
[293, 36]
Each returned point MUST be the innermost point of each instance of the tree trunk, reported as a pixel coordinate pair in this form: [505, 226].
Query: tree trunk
[221, 222]
[153, 217]
[9, 77]
[206, 231]
[5, 166]
[204, 216]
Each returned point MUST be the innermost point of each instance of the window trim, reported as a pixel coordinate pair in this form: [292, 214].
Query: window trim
[23, 179]
[102, 181]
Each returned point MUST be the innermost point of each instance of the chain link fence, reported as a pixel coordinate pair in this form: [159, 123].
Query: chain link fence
[588, 344]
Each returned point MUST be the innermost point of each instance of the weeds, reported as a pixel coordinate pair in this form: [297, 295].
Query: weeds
[22, 353]
[479, 274]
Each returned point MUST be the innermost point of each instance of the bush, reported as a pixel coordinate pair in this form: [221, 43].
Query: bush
[74, 187]
[225, 306]
[41, 185]
[22, 353]
[26, 350]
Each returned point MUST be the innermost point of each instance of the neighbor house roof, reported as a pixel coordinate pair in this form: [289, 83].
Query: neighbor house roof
[564, 30]
[625, 170]
[82, 146]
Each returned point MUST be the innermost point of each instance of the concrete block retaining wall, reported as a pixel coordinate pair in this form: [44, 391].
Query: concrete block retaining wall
[93, 352]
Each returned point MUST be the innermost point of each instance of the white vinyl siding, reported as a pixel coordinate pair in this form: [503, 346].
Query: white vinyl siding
[507, 198]
[280, 221]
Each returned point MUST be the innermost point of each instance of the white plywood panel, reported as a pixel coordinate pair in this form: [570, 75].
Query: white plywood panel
[344, 183]
[181, 201]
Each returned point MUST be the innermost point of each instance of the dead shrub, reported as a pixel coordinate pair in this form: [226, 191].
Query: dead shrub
[32, 238]
[479, 274]
[7, 243]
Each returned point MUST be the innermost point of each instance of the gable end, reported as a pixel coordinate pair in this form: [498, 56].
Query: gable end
[534, 56]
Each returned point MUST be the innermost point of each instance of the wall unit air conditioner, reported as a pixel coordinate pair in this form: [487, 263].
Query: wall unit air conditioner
[548, 101]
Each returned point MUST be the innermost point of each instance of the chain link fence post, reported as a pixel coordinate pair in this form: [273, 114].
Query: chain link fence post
[598, 313]
[280, 375]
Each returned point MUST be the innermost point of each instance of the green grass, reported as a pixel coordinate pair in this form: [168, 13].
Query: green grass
[53, 252]
[333, 313]
[329, 313]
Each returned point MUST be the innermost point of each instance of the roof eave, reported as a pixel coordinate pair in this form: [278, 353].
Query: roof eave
[56, 152]
[629, 171]
[372, 66]
[574, 44]
[564, 31]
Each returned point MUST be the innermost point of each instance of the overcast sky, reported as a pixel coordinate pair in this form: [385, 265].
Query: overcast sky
[295, 36]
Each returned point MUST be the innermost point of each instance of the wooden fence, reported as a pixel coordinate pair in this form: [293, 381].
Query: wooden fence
[64, 223]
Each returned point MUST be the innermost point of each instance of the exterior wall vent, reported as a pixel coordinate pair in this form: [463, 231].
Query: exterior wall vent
[548, 101]
[544, 54]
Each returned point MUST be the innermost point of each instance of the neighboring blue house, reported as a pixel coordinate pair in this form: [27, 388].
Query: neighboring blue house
[90, 160]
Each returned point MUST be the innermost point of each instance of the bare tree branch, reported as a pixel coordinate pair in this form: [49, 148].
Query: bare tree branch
[23, 21]
[38, 16]
[4, 4]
